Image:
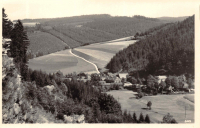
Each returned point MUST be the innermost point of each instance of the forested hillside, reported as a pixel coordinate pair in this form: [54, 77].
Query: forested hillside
[173, 19]
[87, 29]
[124, 26]
[169, 51]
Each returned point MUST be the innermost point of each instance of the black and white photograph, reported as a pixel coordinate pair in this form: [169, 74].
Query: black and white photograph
[99, 62]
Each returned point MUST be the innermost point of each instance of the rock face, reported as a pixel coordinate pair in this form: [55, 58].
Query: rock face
[16, 109]
[12, 93]
[74, 119]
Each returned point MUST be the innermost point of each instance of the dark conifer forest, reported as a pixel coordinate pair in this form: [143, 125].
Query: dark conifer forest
[168, 51]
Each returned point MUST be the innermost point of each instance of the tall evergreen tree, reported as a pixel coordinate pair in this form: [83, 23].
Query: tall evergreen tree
[18, 48]
[147, 119]
[141, 119]
[6, 25]
[135, 117]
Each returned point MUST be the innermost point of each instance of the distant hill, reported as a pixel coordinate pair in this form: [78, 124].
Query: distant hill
[170, 51]
[173, 19]
[87, 29]
[63, 20]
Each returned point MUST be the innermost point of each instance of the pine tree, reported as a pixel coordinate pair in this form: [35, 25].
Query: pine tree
[147, 120]
[125, 120]
[141, 119]
[135, 117]
[130, 119]
[6, 25]
[18, 48]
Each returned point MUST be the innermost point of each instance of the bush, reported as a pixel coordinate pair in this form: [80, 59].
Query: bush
[140, 95]
[60, 116]
[168, 119]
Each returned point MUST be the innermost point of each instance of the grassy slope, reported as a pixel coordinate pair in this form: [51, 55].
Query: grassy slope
[63, 61]
[44, 42]
[100, 54]
[161, 105]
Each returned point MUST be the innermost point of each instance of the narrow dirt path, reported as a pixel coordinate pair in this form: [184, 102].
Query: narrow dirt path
[85, 60]
[70, 50]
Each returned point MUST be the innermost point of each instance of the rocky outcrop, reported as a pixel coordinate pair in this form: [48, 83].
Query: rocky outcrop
[16, 108]
[15, 105]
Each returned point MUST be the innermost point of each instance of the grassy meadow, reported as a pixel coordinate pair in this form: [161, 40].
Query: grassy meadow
[101, 53]
[63, 61]
[161, 105]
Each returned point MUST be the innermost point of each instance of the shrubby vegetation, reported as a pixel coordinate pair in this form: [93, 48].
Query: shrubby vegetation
[169, 119]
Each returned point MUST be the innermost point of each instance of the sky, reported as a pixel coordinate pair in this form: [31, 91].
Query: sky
[21, 9]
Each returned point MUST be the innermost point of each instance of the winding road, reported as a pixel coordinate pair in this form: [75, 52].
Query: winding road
[70, 50]
[85, 60]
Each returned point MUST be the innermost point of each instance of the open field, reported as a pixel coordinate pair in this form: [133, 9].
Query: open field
[101, 53]
[161, 105]
[189, 97]
[63, 61]
[45, 43]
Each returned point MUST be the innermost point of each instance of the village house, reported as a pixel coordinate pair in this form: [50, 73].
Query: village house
[127, 84]
[161, 78]
[117, 80]
[68, 78]
[123, 76]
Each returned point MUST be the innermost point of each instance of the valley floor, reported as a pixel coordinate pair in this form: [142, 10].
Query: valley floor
[161, 105]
